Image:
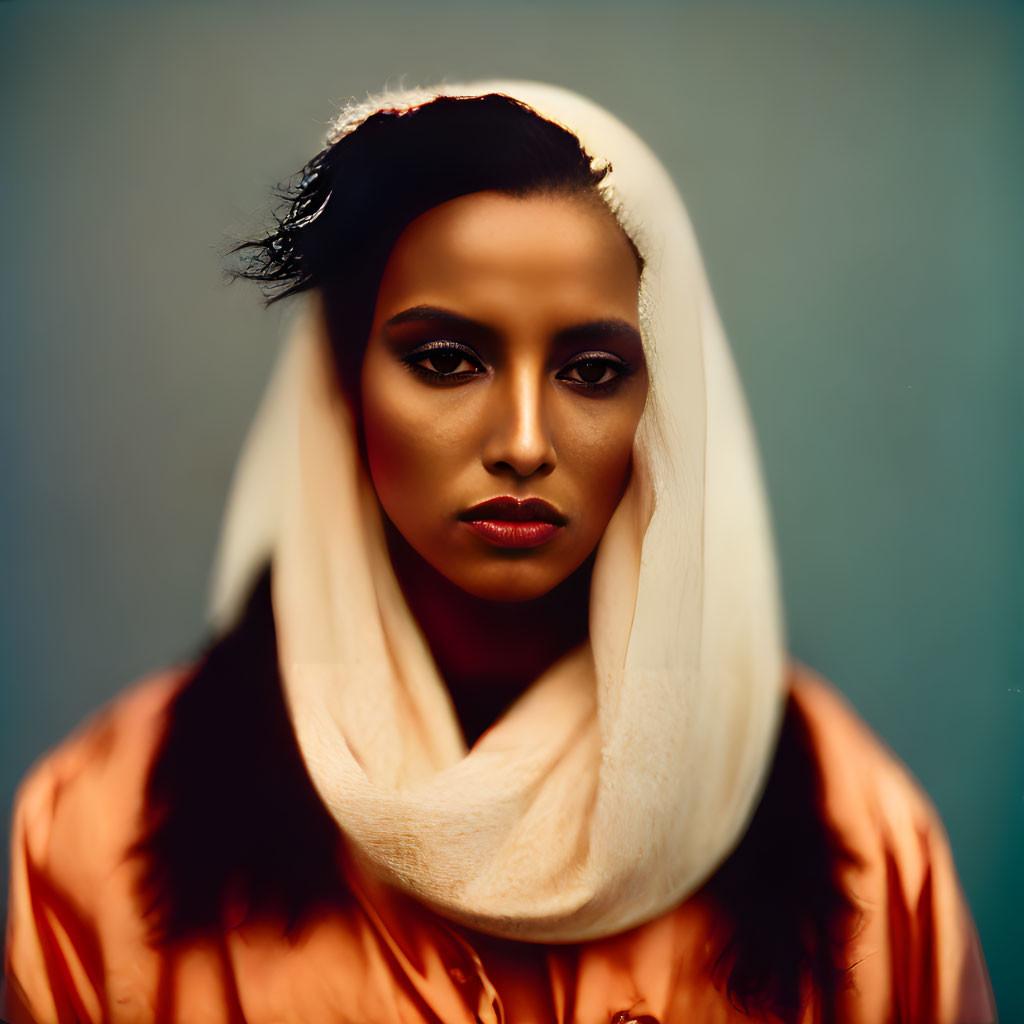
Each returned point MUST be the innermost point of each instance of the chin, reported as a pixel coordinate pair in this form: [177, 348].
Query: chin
[511, 582]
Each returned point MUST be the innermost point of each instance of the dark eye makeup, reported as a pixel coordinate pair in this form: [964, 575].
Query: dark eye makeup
[595, 371]
[445, 362]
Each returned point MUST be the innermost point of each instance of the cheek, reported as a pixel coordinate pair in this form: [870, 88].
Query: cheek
[396, 454]
[601, 458]
[410, 447]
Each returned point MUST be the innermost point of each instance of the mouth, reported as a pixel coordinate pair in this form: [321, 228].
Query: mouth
[514, 523]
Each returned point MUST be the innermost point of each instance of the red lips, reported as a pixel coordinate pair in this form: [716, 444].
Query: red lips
[513, 523]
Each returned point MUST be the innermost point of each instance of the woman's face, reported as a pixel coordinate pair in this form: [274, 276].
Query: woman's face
[502, 386]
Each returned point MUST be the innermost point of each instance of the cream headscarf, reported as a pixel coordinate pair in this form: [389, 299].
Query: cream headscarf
[621, 779]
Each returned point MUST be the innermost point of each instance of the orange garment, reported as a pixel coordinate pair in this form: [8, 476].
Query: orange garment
[77, 948]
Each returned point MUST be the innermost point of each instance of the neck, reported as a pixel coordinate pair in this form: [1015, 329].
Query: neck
[488, 652]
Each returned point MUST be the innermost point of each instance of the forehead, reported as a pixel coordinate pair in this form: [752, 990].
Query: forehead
[490, 249]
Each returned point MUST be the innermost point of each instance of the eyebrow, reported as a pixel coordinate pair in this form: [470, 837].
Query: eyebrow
[606, 327]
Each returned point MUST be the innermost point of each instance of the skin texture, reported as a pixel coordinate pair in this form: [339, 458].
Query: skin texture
[535, 391]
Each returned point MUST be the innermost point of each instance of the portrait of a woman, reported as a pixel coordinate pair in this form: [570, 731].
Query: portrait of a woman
[497, 723]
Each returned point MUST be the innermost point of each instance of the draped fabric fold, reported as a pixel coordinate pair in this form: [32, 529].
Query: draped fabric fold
[621, 779]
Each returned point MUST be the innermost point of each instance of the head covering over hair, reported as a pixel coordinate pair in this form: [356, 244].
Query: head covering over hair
[623, 776]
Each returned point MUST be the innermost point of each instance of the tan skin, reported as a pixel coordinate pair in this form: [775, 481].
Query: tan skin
[504, 361]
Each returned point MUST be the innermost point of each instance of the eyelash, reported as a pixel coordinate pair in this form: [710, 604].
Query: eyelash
[423, 352]
[620, 366]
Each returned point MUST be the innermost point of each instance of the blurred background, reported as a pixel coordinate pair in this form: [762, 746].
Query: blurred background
[854, 173]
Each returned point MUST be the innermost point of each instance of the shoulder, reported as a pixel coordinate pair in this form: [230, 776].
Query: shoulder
[80, 806]
[867, 789]
[881, 813]
[76, 815]
[914, 944]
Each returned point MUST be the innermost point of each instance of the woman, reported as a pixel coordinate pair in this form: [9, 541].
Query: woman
[505, 731]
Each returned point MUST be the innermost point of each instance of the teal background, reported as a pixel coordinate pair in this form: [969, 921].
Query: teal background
[854, 174]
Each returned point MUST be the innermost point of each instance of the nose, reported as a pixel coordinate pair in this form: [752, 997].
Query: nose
[519, 439]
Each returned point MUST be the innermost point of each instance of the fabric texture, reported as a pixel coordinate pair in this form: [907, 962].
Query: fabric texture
[77, 948]
[648, 746]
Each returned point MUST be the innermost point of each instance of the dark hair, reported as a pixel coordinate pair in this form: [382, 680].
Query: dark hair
[343, 212]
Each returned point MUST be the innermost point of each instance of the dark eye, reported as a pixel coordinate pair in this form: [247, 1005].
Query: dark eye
[593, 371]
[443, 359]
